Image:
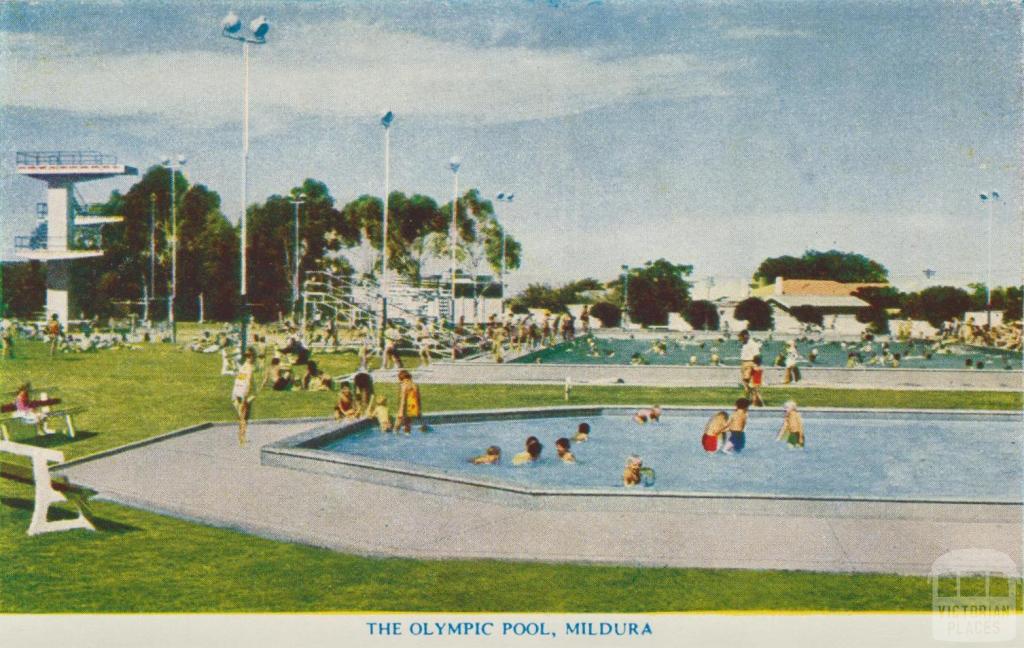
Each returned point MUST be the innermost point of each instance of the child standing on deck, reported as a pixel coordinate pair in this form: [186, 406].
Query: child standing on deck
[756, 382]
[736, 425]
[410, 405]
[241, 394]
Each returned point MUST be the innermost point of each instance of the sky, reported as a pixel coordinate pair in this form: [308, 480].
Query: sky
[707, 133]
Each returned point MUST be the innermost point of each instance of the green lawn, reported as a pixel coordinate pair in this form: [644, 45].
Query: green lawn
[143, 562]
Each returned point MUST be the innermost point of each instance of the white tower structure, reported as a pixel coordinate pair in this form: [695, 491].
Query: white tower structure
[64, 217]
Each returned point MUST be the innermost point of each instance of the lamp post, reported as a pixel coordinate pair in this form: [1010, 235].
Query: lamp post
[454, 164]
[152, 254]
[385, 120]
[299, 199]
[625, 295]
[989, 198]
[172, 167]
[231, 27]
[504, 197]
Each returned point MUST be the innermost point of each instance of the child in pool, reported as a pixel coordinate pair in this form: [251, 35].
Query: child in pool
[410, 405]
[380, 412]
[714, 432]
[492, 456]
[631, 475]
[531, 454]
[736, 426]
[652, 414]
[792, 430]
[346, 406]
[562, 448]
[582, 433]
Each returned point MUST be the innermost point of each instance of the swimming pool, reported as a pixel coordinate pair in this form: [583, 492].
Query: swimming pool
[621, 351]
[873, 455]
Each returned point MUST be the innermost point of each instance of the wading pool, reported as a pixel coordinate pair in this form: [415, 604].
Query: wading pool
[850, 455]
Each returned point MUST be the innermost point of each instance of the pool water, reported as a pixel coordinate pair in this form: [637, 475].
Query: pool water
[938, 456]
[620, 351]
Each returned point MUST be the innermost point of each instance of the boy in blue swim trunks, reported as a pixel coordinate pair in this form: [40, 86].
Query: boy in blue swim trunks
[737, 424]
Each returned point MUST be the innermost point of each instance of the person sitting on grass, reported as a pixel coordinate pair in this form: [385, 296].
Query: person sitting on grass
[562, 448]
[582, 433]
[410, 405]
[315, 379]
[279, 377]
[346, 405]
[531, 454]
[714, 432]
[491, 456]
[652, 414]
[792, 430]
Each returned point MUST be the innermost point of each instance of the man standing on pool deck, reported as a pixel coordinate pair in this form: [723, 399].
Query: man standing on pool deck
[736, 426]
[748, 352]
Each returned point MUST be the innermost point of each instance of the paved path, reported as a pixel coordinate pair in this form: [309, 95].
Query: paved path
[705, 376]
[204, 476]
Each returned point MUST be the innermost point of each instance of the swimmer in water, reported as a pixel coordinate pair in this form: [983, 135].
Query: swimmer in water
[714, 432]
[652, 414]
[531, 454]
[737, 426]
[562, 448]
[582, 433]
[491, 456]
[631, 475]
[792, 430]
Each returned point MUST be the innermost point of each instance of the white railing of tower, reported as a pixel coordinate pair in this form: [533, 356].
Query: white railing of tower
[357, 303]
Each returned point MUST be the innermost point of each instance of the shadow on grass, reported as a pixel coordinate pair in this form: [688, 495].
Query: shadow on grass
[102, 524]
[56, 440]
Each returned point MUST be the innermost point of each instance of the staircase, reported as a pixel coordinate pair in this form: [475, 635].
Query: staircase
[358, 303]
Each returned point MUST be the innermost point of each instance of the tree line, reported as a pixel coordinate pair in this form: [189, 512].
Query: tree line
[345, 239]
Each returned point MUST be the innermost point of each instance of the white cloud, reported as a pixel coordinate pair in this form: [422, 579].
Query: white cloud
[344, 69]
[754, 33]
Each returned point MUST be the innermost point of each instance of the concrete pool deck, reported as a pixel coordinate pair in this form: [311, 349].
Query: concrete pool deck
[201, 475]
[481, 372]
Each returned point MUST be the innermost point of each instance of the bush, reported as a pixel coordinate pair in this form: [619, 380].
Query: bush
[519, 309]
[876, 318]
[702, 315]
[808, 314]
[757, 313]
[938, 304]
[608, 313]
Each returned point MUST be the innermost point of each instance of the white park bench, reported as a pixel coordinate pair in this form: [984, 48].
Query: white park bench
[48, 490]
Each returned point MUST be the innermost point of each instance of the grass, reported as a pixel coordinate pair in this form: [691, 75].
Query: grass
[143, 562]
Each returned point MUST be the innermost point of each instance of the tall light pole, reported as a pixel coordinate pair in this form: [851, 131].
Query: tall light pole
[231, 27]
[152, 254]
[625, 295]
[385, 120]
[172, 166]
[454, 164]
[299, 199]
[504, 197]
[989, 198]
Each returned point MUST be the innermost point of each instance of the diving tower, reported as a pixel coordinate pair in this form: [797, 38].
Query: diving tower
[64, 216]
